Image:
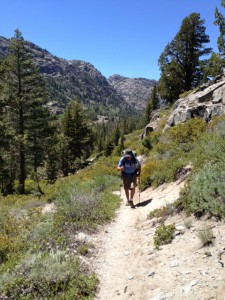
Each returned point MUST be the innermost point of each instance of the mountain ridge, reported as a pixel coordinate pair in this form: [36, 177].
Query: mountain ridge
[68, 79]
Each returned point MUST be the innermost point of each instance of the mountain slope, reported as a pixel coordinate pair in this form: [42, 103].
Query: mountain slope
[67, 79]
[135, 91]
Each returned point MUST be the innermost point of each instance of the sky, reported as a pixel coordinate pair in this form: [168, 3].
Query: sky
[124, 37]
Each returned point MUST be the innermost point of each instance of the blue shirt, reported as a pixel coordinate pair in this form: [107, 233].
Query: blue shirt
[129, 165]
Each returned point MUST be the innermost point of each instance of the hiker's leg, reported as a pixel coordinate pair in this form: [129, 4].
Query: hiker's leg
[132, 192]
[132, 187]
[127, 194]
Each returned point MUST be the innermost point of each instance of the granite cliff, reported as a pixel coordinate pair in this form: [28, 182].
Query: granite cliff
[135, 91]
[206, 101]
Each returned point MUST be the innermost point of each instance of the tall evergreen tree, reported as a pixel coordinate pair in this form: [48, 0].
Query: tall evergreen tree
[116, 135]
[77, 137]
[152, 104]
[220, 21]
[180, 61]
[24, 97]
[213, 66]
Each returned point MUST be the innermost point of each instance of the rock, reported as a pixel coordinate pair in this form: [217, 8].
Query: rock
[205, 102]
[126, 253]
[50, 207]
[187, 288]
[174, 263]
[151, 274]
[159, 296]
[179, 230]
[134, 91]
[83, 237]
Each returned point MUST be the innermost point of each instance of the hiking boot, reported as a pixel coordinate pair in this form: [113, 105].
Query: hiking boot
[131, 204]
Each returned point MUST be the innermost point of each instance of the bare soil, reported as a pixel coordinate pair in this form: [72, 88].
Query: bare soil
[129, 267]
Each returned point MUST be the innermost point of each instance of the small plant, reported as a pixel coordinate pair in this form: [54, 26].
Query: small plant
[83, 249]
[158, 213]
[163, 235]
[162, 212]
[185, 94]
[206, 236]
[208, 253]
[188, 223]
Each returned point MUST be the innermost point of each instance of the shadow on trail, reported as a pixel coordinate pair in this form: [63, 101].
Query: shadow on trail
[143, 203]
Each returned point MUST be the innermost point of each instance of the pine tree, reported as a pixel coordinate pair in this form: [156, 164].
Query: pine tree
[25, 98]
[116, 135]
[77, 137]
[152, 104]
[180, 61]
[220, 21]
[213, 66]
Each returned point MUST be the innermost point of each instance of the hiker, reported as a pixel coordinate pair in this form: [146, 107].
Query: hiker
[130, 168]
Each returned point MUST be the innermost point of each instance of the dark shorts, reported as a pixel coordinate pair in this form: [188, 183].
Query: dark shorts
[129, 182]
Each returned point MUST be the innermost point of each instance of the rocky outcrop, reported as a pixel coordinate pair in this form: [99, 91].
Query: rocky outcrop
[135, 91]
[206, 102]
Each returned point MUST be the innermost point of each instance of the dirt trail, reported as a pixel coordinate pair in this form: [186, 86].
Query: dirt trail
[122, 263]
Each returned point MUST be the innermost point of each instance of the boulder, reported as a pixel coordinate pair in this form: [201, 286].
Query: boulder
[206, 102]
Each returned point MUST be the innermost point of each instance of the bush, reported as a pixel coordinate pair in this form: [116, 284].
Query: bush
[4, 247]
[168, 170]
[86, 204]
[147, 143]
[206, 191]
[185, 94]
[83, 249]
[189, 131]
[163, 235]
[163, 212]
[206, 236]
[211, 148]
[53, 276]
[147, 173]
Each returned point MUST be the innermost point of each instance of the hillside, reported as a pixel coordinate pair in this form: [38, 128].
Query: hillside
[135, 91]
[67, 79]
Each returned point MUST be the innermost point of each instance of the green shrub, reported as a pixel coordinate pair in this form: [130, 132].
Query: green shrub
[4, 247]
[162, 212]
[44, 235]
[211, 148]
[185, 94]
[167, 170]
[189, 131]
[163, 235]
[147, 173]
[206, 236]
[147, 143]
[56, 275]
[85, 205]
[151, 140]
[205, 192]
[83, 249]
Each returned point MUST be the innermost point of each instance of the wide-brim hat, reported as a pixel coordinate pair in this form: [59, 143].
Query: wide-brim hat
[127, 153]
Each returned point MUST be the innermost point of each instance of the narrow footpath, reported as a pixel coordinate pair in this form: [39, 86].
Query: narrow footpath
[125, 248]
[130, 268]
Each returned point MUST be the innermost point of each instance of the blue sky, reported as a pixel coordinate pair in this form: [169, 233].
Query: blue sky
[123, 37]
